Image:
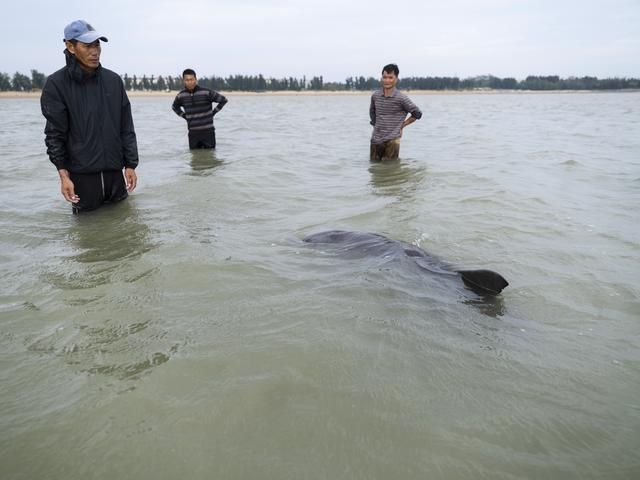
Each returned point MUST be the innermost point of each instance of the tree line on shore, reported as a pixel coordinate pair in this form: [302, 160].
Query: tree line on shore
[258, 83]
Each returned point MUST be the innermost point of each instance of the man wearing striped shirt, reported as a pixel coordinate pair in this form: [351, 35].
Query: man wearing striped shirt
[388, 112]
[194, 105]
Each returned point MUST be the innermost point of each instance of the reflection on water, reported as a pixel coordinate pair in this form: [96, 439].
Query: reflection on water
[114, 347]
[203, 160]
[490, 305]
[103, 243]
[397, 178]
[112, 233]
[108, 323]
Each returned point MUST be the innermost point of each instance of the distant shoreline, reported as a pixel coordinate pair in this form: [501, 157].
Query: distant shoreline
[173, 93]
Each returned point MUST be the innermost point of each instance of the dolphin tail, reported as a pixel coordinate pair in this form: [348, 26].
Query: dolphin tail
[483, 281]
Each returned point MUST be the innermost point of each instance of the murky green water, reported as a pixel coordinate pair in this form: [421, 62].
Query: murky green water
[189, 333]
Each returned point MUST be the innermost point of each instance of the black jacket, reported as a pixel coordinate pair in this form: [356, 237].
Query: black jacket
[89, 125]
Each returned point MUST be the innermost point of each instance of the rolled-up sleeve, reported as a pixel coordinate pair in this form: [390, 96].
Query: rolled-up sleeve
[221, 100]
[411, 108]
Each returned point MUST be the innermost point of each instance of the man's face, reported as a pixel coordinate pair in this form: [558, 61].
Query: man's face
[190, 82]
[87, 54]
[389, 80]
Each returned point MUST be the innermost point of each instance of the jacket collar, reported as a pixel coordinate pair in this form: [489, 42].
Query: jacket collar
[76, 72]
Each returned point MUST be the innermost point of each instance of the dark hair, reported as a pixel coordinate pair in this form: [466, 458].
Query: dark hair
[391, 68]
[188, 71]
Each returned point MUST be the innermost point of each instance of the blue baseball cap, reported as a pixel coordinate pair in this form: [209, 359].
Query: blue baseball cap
[83, 32]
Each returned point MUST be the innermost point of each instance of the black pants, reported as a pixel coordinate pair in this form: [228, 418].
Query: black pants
[202, 138]
[96, 189]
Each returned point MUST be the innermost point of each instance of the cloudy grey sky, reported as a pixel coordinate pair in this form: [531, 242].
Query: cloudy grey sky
[335, 38]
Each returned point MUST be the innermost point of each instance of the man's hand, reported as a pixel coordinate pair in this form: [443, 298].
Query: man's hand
[130, 179]
[67, 188]
[407, 122]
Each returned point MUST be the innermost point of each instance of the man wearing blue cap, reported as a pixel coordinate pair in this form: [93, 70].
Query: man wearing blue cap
[89, 133]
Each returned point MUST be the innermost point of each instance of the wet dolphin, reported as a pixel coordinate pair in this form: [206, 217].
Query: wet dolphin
[360, 244]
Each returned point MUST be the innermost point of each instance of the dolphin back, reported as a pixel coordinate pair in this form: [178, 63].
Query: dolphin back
[361, 244]
[343, 237]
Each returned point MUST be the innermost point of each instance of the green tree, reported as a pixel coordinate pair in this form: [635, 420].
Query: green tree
[38, 79]
[127, 82]
[21, 83]
[258, 83]
[261, 83]
[349, 84]
[316, 83]
[5, 82]
[161, 84]
[509, 83]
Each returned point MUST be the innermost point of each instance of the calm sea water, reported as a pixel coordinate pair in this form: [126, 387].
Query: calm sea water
[188, 333]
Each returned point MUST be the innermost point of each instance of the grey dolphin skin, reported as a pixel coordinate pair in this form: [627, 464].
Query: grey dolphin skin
[360, 244]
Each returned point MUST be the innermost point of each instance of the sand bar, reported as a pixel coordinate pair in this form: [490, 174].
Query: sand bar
[137, 93]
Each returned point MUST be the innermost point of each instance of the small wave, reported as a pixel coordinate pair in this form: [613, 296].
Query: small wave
[17, 306]
[570, 162]
[123, 351]
[130, 370]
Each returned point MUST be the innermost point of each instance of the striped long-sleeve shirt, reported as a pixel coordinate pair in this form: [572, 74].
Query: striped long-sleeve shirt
[388, 113]
[195, 107]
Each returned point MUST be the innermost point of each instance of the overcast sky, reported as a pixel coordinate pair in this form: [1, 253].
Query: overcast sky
[335, 38]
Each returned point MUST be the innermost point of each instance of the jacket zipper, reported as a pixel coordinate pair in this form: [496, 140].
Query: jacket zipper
[102, 181]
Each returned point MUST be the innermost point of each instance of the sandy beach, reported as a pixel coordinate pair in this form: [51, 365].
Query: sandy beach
[172, 93]
[137, 93]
